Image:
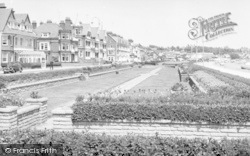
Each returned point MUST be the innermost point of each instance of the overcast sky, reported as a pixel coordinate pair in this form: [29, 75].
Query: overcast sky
[157, 22]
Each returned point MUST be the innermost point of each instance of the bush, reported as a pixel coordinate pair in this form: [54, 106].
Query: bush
[10, 100]
[54, 64]
[179, 87]
[91, 144]
[31, 65]
[47, 75]
[214, 113]
[2, 85]
[34, 95]
[234, 56]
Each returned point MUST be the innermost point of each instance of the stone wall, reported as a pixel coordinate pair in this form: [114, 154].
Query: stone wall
[31, 114]
[62, 122]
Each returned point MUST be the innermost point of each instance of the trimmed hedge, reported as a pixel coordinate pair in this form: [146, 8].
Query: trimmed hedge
[103, 145]
[215, 114]
[29, 77]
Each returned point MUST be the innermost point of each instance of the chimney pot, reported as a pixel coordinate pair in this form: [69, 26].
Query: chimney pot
[34, 24]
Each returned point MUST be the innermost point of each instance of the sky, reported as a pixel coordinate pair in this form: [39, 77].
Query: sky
[148, 22]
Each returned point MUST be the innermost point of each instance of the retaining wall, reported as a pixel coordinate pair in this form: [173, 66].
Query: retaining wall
[27, 116]
[165, 128]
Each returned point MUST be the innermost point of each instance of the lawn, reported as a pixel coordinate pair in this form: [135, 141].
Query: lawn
[156, 85]
[64, 94]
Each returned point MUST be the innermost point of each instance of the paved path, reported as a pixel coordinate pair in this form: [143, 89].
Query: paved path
[65, 94]
[234, 69]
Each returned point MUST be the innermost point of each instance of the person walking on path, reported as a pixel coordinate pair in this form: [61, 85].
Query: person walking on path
[51, 64]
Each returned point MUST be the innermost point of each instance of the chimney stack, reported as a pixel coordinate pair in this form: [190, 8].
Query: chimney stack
[49, 21]
[68, 22]
[34, 24]
[2, 6]
[62, 24]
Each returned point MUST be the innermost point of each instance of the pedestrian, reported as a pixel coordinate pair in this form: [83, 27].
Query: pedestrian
[51, 64]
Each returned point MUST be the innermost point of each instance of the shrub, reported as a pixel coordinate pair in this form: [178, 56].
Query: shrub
[179, 87]
[234, 56]
[2, 85]
[214, 113]
[92, 144]
[79, 98]
[29, 77]
[34, 95]
[54, 64]
[10, 100]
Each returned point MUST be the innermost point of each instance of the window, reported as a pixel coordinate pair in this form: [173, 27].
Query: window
[65, 57]
[87, 43]
[21, 41]
[96, 45]
[41, 46]
[16, 41]
[81, 53]
[78, 31]
[31, 43]
[96, 55]
[65, 36]
[4, 57]
[5, 40]
[87, 54]
[45, 35]
[45, 46]
[80, 42]
[65, 47]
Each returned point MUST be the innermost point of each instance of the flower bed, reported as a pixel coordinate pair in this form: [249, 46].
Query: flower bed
[237, 86]
[91, 144]
[208, 80]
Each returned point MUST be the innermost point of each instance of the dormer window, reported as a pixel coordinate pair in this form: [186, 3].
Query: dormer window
[78, 32]
[65, 36]
[45, 35]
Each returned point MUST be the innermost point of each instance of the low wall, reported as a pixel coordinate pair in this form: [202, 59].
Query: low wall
[27, 116]
[44, 82]
[194, 83]
[165, 128]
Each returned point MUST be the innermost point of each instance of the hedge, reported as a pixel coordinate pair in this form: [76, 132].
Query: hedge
[103, 145]
[106, 111]
[28, 77]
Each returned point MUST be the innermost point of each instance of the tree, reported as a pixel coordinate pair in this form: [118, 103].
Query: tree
[234, 56]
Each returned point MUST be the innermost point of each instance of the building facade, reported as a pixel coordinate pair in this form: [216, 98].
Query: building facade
[48, 40]
[119, 49]
[18, 41]
[68, 43]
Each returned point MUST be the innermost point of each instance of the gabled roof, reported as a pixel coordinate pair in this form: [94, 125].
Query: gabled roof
[85, 29]
[14, 31]
[102, 34]
[21, 17]
[4, 16]
[51, 28]
[94, 32]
